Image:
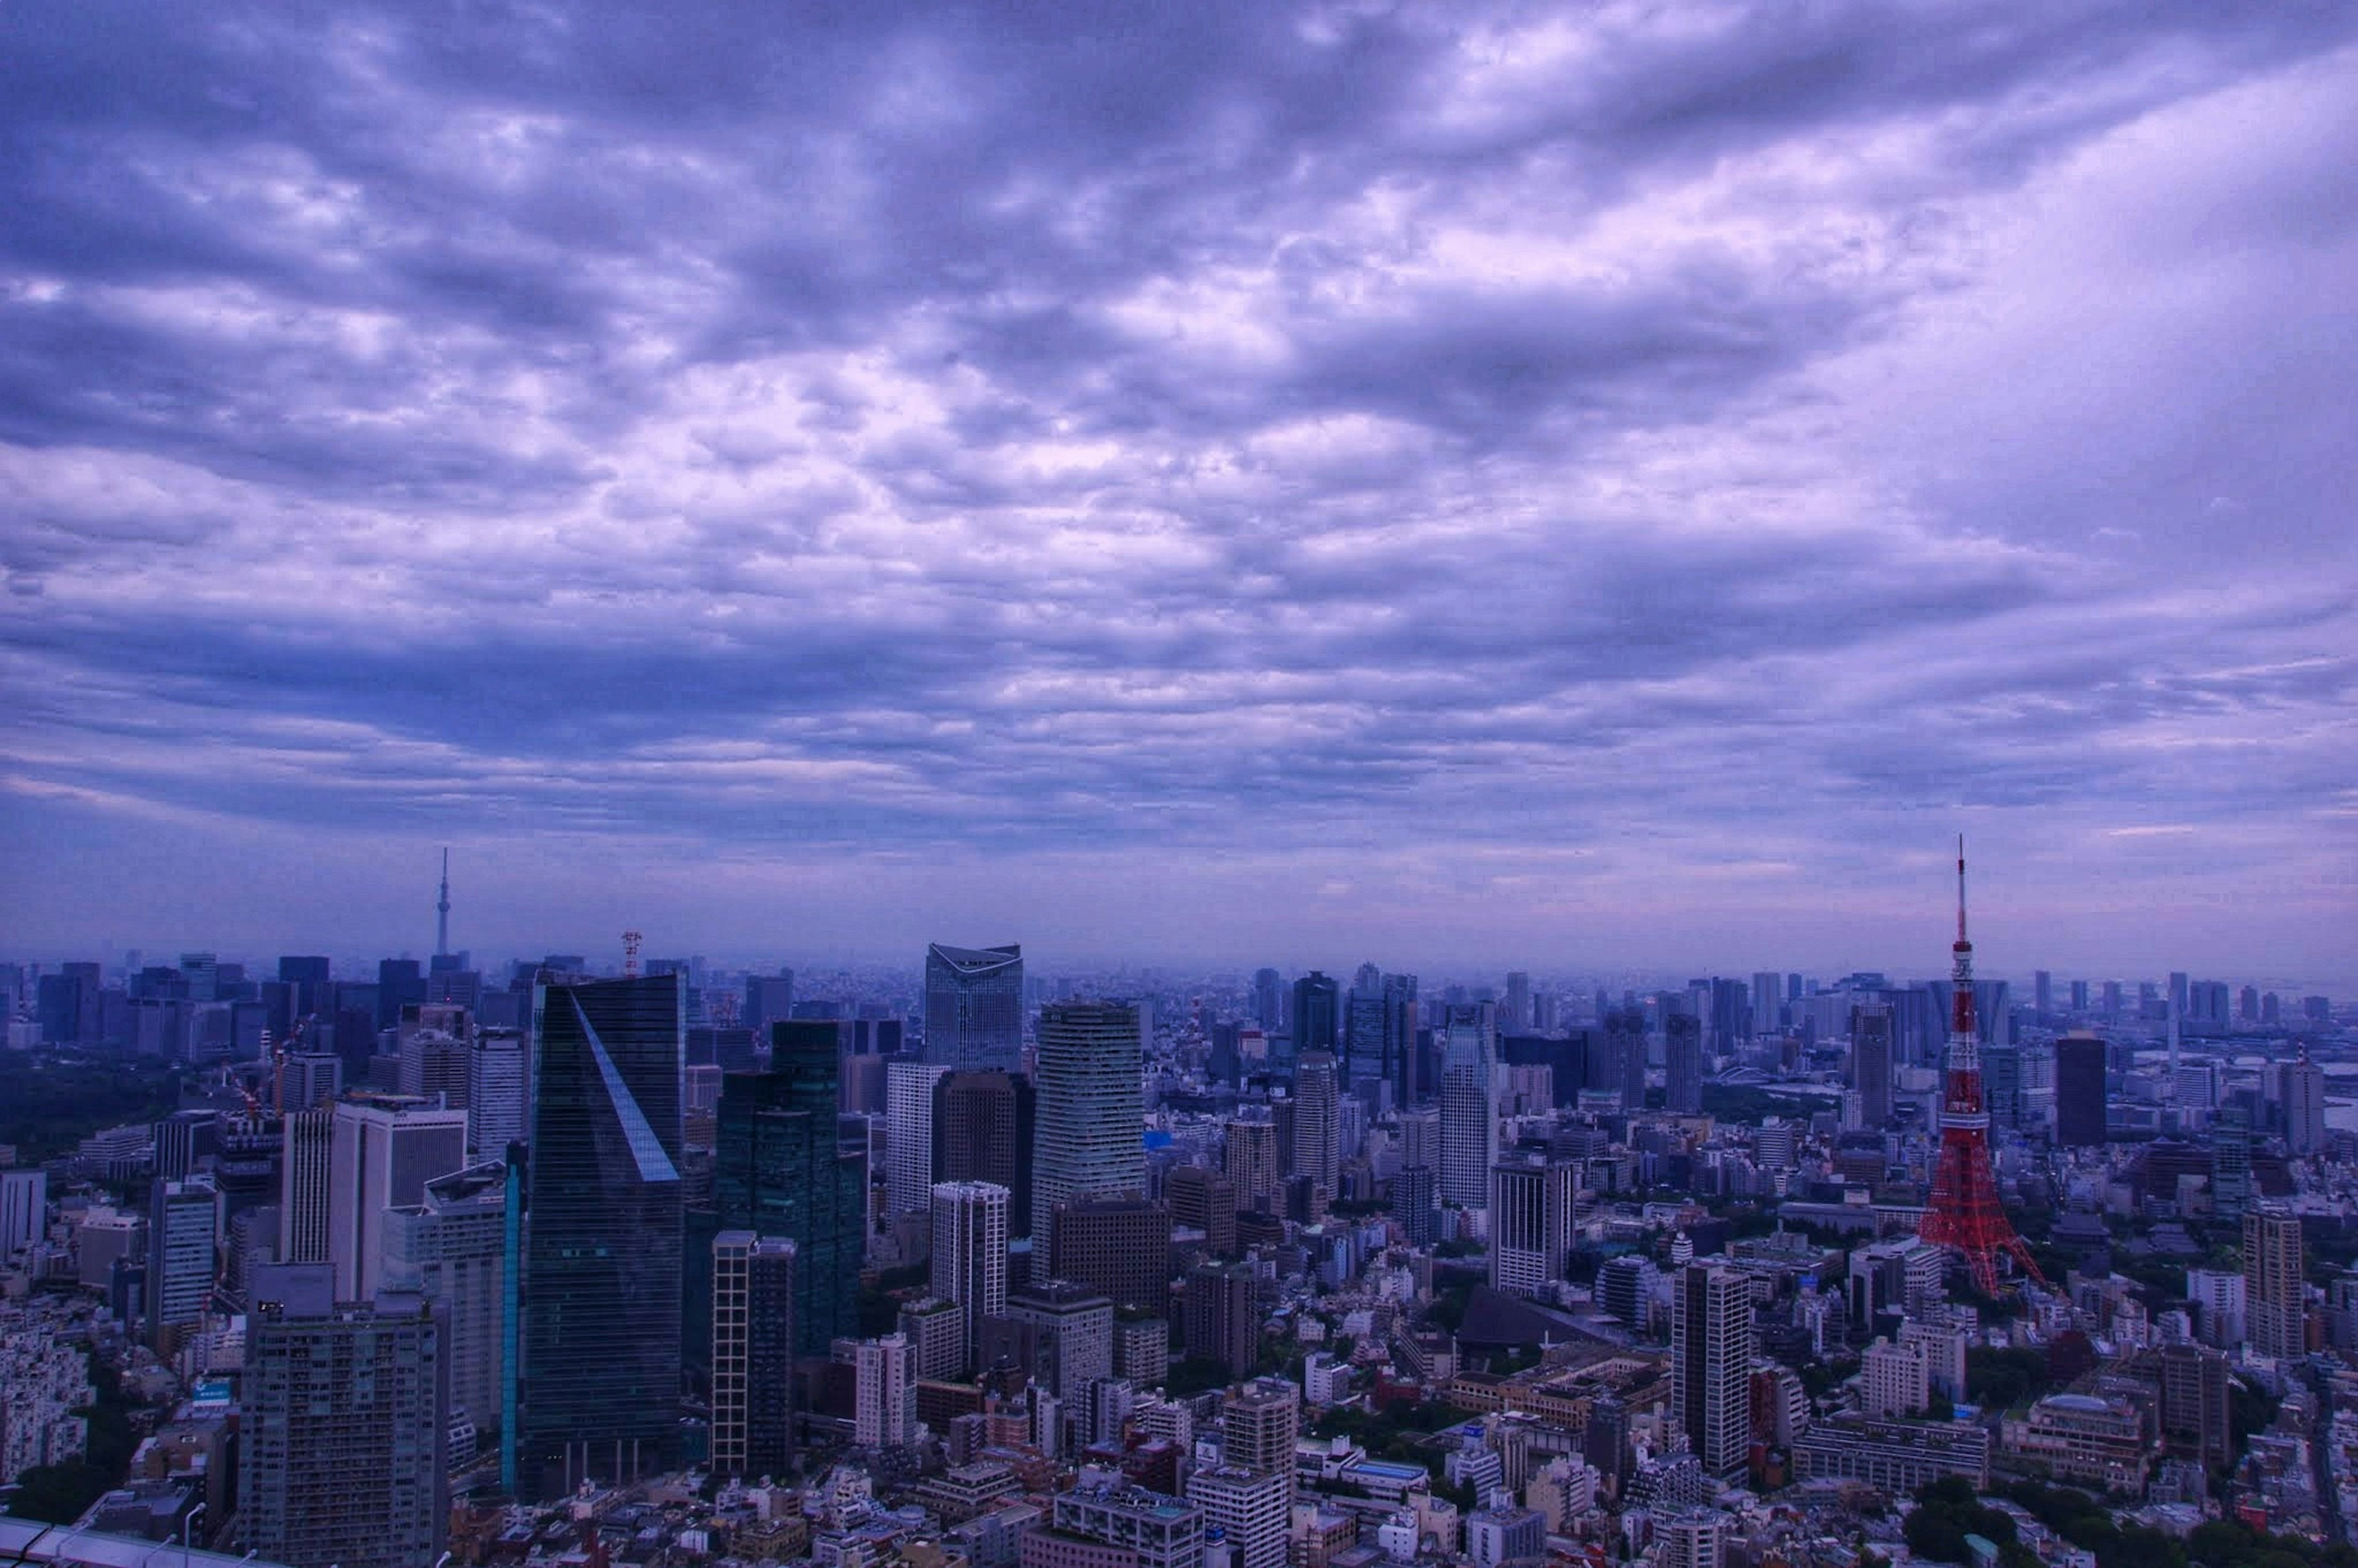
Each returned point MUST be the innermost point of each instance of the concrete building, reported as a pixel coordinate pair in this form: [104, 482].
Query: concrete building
[885, 1398]
[909, 1134]
[1251, 1508]
[452, 1249]
[383, 1150]
[1894, 1381]
[2275, 1289]
[969, 1254]
[1160, 1532]
[752, 1354]
[1531, 1204]
[1711, 1344]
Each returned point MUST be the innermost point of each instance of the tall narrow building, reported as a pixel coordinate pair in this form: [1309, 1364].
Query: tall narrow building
[1710, 1351]
[2080, 1091]
[1870, 1062]
[752, 1354]
[1470, 1123]
[303, 1193]
[1683, 1065]
[1530, 1223]
[343, 1426]
[2276, 1293]
[974, 1008]
[909, 1134]
[450, 1249]
[1089, 1136]
[982, 1132]
[2301, 1087]
[601, 1285]
[1249, 1159]
[780, 1170]
[969, 1255]
[385, 1149]
[1317, 1013]
[1317, 1110]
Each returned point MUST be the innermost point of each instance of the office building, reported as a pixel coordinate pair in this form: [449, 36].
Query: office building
[909, 1134]
[1415, 1197]
[752, 1354]
[1260, 1423]
[2196, 1405]
[1206, 1200]
[974, 1008]
[1219, 1319]
[1871, 1046]
[183, 1221]
[1156, 1531]
[885, 1392]
[982, 1132]
[1530, 1223]
[1090, 1132]
[450, 1249]
[2300, 1087]
[1682, 1064]
[2080, 1091]
[1249, 1159]
[780, 1170]
[2275, 1295]
[1316, 1101]
[1470, 1123]
[1693, 1537]
[969, 1255]
[1070, 1327]
[1895, 1379]
[499, 1092]
[1120, 1246]
[1711, 1350]
[1250, 1508]
[600, 1352]
[343, 1426]
[1318, 1014]
[1895, 1456]
[383, 1150]
[25, 1210]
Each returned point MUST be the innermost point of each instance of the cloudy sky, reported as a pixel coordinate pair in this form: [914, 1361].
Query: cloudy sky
[1568, 486]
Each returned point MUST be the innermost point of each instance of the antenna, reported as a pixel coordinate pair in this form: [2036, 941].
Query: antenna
[631, 940]
[442, 910]
[1961, 889]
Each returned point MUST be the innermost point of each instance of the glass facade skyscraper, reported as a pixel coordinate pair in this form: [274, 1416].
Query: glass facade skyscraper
[1090, 1129]
[780, 1170]
[974, 1008]
[601, 1356]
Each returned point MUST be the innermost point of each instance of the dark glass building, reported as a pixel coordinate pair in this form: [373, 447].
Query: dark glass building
[779, 1169]
[599, 1378]
[1317, 1006]
[2079, 1091]
[982, 1132]
[974, 1007]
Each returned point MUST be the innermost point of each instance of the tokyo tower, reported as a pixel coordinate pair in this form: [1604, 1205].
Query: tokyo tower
[1965, 1215]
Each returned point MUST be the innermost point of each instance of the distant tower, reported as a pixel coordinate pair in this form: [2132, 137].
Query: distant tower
[1964, 1213]
[442, 911]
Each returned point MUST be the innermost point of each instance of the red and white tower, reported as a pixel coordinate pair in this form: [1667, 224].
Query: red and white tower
[1965, 1213]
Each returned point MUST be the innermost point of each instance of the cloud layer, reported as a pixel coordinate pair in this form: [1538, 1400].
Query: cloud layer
[1564, 484]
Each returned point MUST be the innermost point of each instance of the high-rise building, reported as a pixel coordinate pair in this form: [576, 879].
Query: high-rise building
[1072, 1325]
[1470, 1123]
[1249, 1161]
[1317, 1013]
[1260, 1423]
[183, 1221]
[1871, 1047]
[1693, 1537]
[752, 1354]
[780, 1170]
[601, 1282]
[1530, 1223]
[1090, 1133]
[305, 1187]
[983, 1127]
[1267, 1011]
[884, 1376]
[974, 1008]
[1218, 1316]
[1414, 1198]
[1399, 1043]
[769, 999]
[969, 1254]
[2042, 993]
[385, 1149]
[2195, 1405]
[1250, 1508]
[1316, 1099]
[1621, 1065]
[2080, 1091]
[499, 1092]
[25, 1210]
[2301, 1087]
[1682, 1064]
[2274, 1292]
[1711, 1350]
[450, 1249]
[1203, 1199]
[431, 1045]
[909, 1133]
[343, 1426]
[1519, 1002]
[1118, 1246]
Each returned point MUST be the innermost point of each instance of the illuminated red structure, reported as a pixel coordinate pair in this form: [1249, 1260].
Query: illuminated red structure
[1965, 1215]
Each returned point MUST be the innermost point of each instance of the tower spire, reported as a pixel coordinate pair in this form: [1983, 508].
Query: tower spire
[442, 910]
[1961, 890]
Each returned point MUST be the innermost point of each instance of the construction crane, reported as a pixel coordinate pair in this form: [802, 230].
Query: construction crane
[631, 940]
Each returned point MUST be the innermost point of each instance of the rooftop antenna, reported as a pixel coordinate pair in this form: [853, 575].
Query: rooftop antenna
[442, 910]
[631, 940]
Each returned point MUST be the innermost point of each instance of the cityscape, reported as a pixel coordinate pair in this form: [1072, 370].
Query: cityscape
[1107, 784]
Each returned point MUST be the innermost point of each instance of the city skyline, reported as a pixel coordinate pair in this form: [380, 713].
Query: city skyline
[1246, 484]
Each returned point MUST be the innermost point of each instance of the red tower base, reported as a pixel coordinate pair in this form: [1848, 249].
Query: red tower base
[1965, 1213]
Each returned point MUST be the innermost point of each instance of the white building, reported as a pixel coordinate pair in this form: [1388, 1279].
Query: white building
[886, 1411]
[1252, 1508]
[1894, 1380]
[383, 1151]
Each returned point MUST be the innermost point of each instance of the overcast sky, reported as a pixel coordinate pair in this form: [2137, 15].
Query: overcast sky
[1562, 486]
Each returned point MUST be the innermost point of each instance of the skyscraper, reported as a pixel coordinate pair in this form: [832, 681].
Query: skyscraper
[183, 1220]
[383, 1150]
[1621, 1067]
[1470, 1126]
[1316, 1130]
[1711, 1350]
[2080, 1091]
[1413, 1203]
[752, 1353]
[1530, 1223]
[1267, 1011]
[969, 1254]
[1682, 1064]
[499, 1092]
[450, 1249]
[1317, 1013]
[983, 1126]
[1090, 1132]
[2301, 1087]
[909, 1133]
[303, 1224]
[602, 1280]
[2274, 1292]
[1119, 1246]
[779, 1169]
[343, 1426]
[1250, 1161]
[1870, 1061]
[1519, 1002]
[1218, 1317]
[884, 1374]
[974, 1007]
[1260, 1423]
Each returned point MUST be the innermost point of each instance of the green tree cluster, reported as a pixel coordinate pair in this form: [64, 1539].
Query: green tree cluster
[2006, 1377]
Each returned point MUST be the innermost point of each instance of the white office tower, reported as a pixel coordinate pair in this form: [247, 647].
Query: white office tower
[1895, 1379]
[1530, 1223]
[909, 1134]
[499, 1092]
[304, 1186]
[886, 1373]
[1469, 1126]
[433, 1047]
[1088, 1125]
[1711, 1350]
[450, 1248]
[1251, 1508]
[1317, 1132]
[385, 1149]
[969, 1256]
